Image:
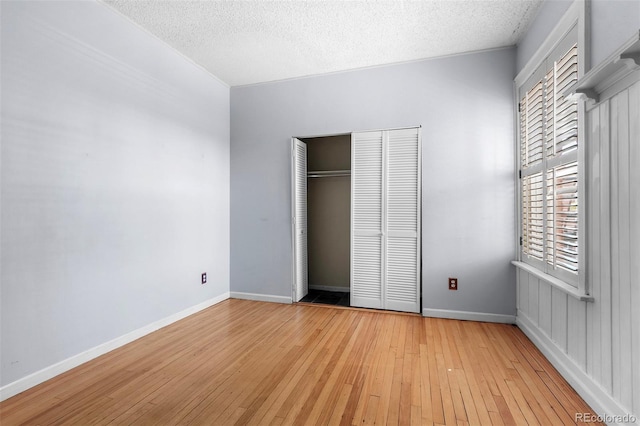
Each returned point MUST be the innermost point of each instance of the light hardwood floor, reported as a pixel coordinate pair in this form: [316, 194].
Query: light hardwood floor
[243, 362]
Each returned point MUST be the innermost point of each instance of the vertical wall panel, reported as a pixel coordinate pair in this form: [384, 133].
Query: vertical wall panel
[533, 298]
[518, 289]
[634, 227]
[544, 307]
[524, 291]
[604, 255]
[623, 259]
[559, 318]
[577, 331]
[592, 169]
[615, 249]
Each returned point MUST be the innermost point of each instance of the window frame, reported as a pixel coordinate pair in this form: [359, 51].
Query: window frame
[574, 19]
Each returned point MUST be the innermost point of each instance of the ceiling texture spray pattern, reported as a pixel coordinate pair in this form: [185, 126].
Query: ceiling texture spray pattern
[247, 42]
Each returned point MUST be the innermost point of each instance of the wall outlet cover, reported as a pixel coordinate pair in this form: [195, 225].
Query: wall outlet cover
[453, 283]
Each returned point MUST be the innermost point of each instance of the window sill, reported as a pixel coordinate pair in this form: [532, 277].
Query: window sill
[555, 282]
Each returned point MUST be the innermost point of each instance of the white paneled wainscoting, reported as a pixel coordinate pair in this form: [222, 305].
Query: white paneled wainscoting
[595, 341]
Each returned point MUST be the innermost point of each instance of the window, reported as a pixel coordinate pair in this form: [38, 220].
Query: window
[550, 152]
[549, 170]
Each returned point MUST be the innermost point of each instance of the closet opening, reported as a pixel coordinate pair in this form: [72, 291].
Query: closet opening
[328, 179]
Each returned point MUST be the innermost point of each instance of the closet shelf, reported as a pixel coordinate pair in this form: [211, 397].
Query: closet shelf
[328, 173]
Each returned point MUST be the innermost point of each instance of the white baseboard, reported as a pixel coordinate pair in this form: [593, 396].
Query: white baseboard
[50, 372]
[469, 316]
[330, 288]
[593, 394]
[260, 297]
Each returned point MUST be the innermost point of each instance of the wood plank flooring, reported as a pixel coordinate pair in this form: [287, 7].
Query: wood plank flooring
[242, 362]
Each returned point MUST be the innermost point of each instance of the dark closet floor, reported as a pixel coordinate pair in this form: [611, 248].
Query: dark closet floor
[327, 297]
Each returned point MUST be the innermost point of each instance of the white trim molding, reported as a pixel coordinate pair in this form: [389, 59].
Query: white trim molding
[601, 82]
[577, 14]
[469, 316]
[261, 297]
[54, 370]
[557, 283]
[593, 394]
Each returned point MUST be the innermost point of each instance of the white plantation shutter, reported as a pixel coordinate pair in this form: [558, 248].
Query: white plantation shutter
[549, 170]
[402, 290]
[366, 219]
[562, 217]
[386, 220]
[564, 121]
[532, 215]
[532, 109]
[299, 170]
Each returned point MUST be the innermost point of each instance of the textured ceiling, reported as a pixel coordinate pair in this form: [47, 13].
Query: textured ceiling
[245, 42]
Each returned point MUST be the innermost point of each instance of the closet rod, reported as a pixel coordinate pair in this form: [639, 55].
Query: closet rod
[328, 173]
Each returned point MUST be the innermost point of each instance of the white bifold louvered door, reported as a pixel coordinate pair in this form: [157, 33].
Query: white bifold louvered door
[385, 219]
[402, 232]
[299, 218]
[366, 220]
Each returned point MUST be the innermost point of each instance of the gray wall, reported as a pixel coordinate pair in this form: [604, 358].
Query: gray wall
[612, 23]
[465, 105]
[115, 182]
